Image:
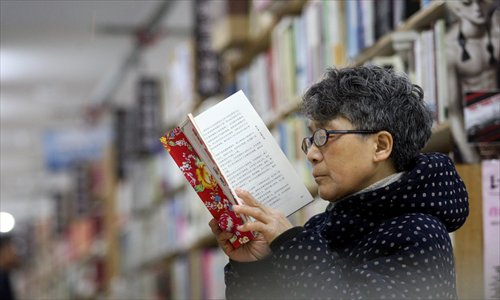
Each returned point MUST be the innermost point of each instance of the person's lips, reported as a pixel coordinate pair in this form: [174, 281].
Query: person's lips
[318, 177]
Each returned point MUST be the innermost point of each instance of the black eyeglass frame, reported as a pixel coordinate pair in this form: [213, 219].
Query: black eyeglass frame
[305, 146]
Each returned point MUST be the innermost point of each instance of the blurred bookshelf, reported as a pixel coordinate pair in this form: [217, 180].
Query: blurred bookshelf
[152, 239]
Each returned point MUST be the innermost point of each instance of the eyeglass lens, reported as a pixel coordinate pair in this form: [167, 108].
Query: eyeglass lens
[306, 144]
[320, 137]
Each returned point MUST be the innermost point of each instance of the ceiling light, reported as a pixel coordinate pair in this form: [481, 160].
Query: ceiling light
[7, 222]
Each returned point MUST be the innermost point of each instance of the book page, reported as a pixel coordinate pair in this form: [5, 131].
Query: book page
[248, 155]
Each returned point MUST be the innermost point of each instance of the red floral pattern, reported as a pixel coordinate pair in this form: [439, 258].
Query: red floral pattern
[199, 177]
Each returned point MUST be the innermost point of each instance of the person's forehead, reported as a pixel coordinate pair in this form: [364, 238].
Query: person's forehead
[335, 123]
[313, 124]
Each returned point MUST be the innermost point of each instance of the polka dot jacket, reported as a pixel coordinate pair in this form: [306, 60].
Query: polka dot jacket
[391, 242]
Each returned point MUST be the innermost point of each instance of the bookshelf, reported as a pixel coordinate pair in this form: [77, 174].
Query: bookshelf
[139, 228]
[75, 254]
[243, 56]
[239, 58]
[171, 260]
[384, 46]
[441, 139]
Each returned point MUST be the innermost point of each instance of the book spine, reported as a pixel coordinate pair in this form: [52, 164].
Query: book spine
[441, 71]
[205, 185]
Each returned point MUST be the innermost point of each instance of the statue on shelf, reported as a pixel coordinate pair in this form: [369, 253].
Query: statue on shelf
[473, 56]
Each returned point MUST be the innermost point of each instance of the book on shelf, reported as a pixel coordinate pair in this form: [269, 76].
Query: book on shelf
[439, 28]
[482, 116]
[228, 146]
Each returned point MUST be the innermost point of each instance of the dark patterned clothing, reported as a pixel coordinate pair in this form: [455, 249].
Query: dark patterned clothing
[391, 242]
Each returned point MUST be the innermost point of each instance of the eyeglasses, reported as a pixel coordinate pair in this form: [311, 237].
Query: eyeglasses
[320, 137]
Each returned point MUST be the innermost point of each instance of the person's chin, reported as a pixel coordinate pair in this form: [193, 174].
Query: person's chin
[326, 193]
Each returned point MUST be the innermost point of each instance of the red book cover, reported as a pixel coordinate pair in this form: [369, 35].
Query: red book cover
[199, 177]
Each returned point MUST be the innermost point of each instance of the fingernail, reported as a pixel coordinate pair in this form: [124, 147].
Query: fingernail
[239, 227]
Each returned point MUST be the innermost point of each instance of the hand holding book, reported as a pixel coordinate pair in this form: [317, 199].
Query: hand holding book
[254, 250]
[267, 221]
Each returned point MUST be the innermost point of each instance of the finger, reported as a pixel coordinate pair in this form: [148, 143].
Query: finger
[227, 247]
[214, 227]
[253, 226]
[254, 212]
[223, 240]
[221, 235]
[250, 200]
[246, 197]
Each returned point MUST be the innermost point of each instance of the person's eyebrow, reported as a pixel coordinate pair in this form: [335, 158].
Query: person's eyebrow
[316, 125]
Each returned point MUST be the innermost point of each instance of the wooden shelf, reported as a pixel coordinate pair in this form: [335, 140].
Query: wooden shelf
[284, 113]
[258, 44]
[289, 7]
[204, 241]
[252, 48]
[422, 18]
[469, 239]
[382, 47]
[146, 211]
[441, 140]
[255, 45]
[434, 11]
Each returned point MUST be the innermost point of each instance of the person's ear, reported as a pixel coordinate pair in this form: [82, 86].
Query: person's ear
[383, 144]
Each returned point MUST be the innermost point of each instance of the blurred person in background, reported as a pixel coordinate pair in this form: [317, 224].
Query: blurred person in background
[9, 260]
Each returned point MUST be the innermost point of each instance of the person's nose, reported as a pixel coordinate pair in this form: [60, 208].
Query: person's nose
[314, 155]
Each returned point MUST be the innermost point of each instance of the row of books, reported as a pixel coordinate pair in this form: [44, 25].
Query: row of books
[325, 34]
[178, 97]
[151, 179]
[422, 55]
[300, 51]
[431, 69]
[356, 23]
[289, 134]
[59, 268]
[172, 227]
[197, 275]
[304, 46]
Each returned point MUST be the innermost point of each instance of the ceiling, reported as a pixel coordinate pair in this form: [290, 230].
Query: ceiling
[55, 59]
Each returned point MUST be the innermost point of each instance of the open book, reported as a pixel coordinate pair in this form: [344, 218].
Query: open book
[226, 147]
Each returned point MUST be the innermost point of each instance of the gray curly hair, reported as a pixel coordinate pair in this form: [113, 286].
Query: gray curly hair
[374, 98]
